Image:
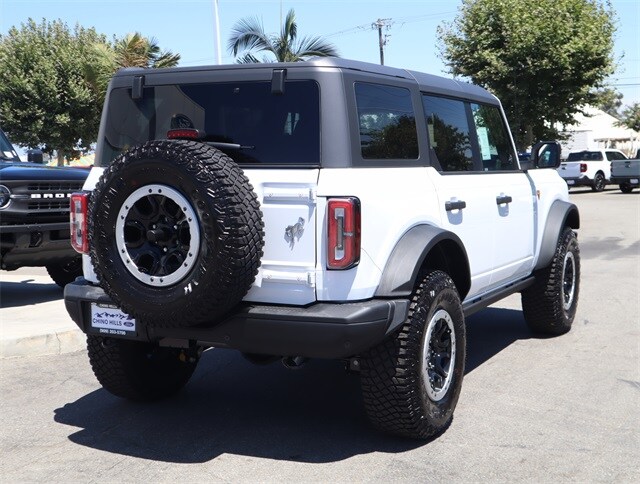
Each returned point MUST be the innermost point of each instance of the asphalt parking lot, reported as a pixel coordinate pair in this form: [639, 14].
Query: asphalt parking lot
[531, 409]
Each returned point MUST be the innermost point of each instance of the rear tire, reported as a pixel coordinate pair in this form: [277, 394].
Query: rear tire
[140, 371]
[412, 380]
[599, 182]
[626, 188]
[550, 305]
[64, 273]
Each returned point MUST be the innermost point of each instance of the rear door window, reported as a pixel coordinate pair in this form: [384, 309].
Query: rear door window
[270, 129]
[387, 122]
[449, 133]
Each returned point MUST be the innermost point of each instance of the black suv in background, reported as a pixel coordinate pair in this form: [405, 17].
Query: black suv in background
[34, 215]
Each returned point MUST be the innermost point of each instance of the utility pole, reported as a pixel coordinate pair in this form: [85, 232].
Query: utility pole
[382, 39]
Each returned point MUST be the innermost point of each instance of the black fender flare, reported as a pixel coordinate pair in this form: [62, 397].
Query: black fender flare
[410, 253]
[561, 214]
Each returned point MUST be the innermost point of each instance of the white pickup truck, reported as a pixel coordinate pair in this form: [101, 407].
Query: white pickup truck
[589, 168]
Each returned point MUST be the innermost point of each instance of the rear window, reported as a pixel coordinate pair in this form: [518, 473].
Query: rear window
[272, 129]
[585, 156]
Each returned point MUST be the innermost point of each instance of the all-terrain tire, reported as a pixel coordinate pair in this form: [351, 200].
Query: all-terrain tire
[177, 233]
[64, 273]
[140, 371]
[599, 182]
[550, 304]
[401, 378]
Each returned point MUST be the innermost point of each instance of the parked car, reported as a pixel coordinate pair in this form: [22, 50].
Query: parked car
[589, 168]
[322, 209]
[34, 215]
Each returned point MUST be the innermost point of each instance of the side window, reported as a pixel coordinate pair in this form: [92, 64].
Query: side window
[387, 122]
[448, 130]
[614, 155]
[496, 152]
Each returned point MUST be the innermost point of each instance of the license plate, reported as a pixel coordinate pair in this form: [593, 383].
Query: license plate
[571, 182]
[108, 319]
[634, 180]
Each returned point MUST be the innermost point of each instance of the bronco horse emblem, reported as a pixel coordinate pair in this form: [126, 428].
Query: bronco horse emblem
[293, 232]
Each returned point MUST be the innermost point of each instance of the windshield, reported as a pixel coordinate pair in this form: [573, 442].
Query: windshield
[266, 128]
[7, 153]
[585, 156]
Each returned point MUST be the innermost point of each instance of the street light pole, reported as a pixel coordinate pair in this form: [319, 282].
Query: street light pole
[216, 16]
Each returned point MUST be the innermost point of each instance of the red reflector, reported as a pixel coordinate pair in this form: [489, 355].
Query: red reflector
[343, 232]
[583, 167]
[183, 134]
[78, 215]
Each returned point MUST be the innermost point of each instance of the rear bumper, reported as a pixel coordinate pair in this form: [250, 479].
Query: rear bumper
[321, 330]
[633, 181]
[579, 181]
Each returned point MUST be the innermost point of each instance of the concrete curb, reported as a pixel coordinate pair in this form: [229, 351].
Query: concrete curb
[55, 343]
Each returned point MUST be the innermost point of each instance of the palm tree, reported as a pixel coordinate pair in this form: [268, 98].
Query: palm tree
[133, 50]
[248, 37]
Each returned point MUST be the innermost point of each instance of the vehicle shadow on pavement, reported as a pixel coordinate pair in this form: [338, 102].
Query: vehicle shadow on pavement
[492, 330]
[313, 415]
[27, 292]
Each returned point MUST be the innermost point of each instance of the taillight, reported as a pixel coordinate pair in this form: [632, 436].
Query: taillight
[343, 224]
[583, 167]
[78, 214]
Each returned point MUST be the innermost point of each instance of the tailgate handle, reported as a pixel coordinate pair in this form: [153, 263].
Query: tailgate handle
[455, 205]
[502, 199]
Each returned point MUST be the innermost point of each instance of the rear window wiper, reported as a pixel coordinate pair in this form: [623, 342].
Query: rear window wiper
[229, 146]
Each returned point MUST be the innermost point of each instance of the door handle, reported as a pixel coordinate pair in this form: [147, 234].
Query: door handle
[457, 205]
[502, 199]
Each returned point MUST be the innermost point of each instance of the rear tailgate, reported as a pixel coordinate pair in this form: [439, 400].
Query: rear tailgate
[570, 170]
[625, 169]
[288, 202]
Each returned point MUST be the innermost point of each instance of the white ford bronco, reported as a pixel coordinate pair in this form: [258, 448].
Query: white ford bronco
[322, 209]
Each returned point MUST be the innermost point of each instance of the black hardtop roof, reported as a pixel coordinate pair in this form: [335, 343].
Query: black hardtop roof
[427, 81]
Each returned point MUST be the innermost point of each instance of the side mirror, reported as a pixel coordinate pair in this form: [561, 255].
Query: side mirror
[546, 154]
[35, 156]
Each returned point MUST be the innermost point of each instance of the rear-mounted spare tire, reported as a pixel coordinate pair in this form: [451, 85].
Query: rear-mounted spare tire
[177, 233]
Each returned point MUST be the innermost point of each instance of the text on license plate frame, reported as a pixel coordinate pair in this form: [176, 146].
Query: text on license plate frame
[111, 320]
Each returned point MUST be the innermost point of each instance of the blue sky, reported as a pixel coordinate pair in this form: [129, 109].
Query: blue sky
[187, 27]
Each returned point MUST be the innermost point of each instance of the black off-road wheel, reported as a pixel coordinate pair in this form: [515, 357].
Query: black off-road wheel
[599, 182]
[140, 371]
[550, 304]
[66, 272]
[411, 381]
[177, 233]
[626, 188]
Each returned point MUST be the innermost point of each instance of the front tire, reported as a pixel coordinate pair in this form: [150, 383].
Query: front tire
[140, 371]
[63, 273]
[550, 304]
[599, 182]
[411, 381]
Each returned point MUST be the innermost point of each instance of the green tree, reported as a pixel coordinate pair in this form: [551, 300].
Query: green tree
[608, 100]
[45, 100]
[248, 37]
[544, 59]
[631, 117]
[133, 50]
